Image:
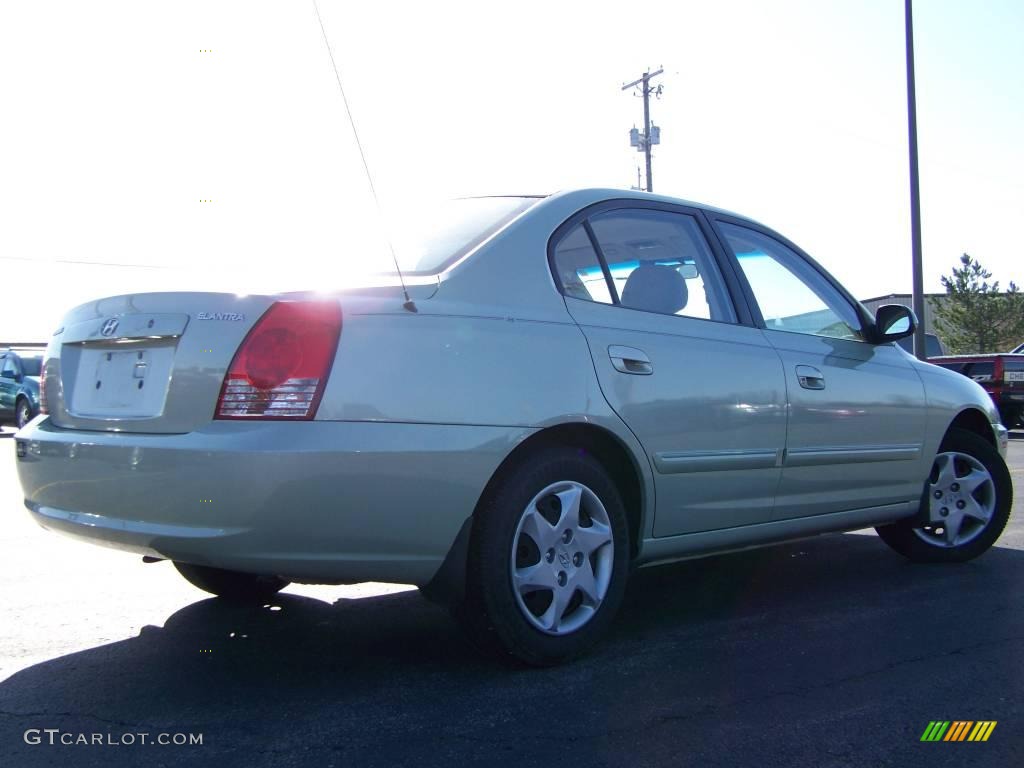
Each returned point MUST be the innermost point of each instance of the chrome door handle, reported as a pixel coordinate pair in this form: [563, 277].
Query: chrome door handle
[630, 360]
[810, 377]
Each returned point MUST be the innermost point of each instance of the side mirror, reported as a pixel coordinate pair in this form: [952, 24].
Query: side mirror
[9, 374]
[893, 322]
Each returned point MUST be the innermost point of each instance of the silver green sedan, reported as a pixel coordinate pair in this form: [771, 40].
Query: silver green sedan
[566, 388]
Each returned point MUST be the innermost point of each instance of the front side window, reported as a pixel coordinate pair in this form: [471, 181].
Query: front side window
[654, 261]
[790, 293]
[31, 365]
[9, 368]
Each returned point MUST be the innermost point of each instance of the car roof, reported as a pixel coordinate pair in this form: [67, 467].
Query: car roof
[589, 195]
[20, 352]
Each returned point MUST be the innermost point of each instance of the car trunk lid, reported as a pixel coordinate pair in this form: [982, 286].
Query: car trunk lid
[146, 362]
[155, 363]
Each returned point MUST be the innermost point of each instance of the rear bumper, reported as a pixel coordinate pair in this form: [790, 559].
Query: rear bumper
[311, 501]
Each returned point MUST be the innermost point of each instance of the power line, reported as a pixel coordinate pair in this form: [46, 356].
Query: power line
[87, 263]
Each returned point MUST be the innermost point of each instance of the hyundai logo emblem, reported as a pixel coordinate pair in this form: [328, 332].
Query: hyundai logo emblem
[109, 327]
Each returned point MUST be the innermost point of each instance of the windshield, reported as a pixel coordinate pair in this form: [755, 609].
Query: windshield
[429, 240]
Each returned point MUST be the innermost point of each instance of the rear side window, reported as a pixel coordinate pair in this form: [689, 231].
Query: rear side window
[659, 261]
[646, 259]
[981, 372]
[579, 269]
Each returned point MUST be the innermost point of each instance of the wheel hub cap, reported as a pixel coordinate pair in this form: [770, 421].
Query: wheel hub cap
[562, 556]
[962, 499]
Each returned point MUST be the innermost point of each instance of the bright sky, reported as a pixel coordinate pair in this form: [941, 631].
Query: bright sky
[117, 123]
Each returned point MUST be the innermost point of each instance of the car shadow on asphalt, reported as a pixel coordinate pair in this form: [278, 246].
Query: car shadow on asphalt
[841, 603]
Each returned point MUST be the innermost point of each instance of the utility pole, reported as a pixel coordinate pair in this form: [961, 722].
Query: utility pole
[915, 193]
[651, 133]
[647, 130]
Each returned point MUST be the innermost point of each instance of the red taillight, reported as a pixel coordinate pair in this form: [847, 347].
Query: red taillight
[997, 370]
[42, 388]
[281, 368]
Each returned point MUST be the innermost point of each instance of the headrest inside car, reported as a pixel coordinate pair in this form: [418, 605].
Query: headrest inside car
[655, 288]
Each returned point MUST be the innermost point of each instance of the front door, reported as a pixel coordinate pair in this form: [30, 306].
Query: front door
[856, 421]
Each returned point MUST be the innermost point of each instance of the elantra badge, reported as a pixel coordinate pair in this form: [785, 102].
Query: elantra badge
[220, 316]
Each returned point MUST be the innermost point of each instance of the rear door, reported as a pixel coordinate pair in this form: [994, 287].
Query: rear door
[856, 410]
[702, 391]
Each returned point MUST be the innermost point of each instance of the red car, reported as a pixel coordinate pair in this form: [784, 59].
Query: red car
[1002, 376]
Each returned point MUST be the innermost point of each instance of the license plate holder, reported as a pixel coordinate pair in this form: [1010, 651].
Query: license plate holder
[122, 383]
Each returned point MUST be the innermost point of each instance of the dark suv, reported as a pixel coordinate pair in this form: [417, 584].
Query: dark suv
[932, 345]
[1001, 375]
[19, 386]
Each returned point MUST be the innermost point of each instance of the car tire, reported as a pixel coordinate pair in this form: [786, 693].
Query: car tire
[954, 536]
[231, 585]
[538, 592]
[23, 412]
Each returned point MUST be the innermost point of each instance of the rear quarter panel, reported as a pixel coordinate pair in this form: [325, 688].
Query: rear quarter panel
[450, 368]
[494, 346]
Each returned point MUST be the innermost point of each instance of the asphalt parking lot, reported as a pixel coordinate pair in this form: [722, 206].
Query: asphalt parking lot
[827, 652]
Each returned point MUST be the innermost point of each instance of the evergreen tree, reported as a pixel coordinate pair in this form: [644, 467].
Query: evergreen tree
[975, 316]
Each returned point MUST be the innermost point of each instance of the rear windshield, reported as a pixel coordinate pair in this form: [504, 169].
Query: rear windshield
[429, 240]
[981, 371]
[30, 366]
